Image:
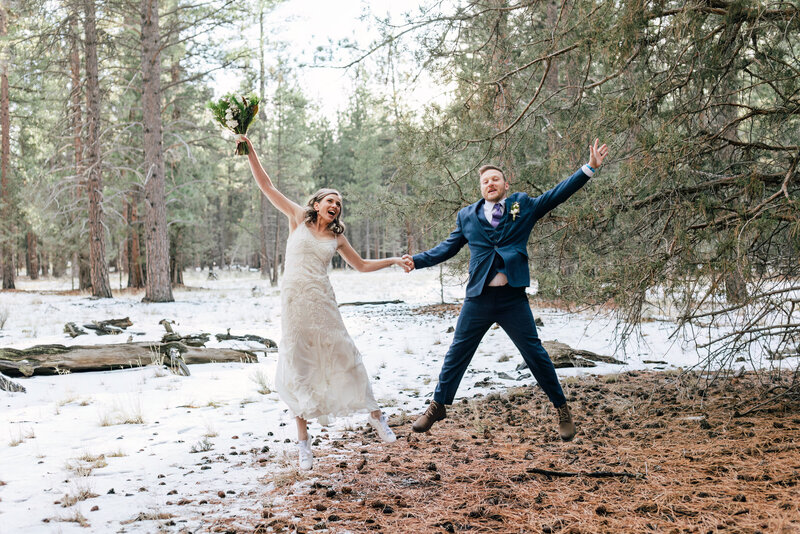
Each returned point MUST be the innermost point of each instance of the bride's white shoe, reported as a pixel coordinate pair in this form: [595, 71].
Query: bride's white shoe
[381, 426]
[306, 457]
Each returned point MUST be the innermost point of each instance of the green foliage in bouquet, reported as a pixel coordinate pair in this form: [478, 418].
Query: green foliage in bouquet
[236, 113]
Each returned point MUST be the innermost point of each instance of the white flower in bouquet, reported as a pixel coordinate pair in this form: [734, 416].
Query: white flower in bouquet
[236, 113]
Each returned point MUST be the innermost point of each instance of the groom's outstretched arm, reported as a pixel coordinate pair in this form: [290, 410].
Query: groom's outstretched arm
[548, 200]
[441, 252]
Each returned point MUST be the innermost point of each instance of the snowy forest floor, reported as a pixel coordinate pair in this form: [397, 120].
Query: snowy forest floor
[653, 456]
[141, 450]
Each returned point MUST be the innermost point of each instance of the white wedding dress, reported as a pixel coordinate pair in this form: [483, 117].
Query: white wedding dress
[320, 374]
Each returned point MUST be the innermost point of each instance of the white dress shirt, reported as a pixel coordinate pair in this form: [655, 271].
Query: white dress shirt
[488, 206]
[499, 279]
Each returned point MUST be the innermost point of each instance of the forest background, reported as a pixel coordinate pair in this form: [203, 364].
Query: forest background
[111, 166]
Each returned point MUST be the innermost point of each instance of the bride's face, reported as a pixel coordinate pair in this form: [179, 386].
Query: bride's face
[328, 208]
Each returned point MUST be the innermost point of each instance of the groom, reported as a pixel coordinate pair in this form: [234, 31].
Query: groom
[496, 229]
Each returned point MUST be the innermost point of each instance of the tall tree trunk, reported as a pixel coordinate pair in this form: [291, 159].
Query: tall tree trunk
[80, 259]
[367, 250]
[6, 213]
[31, 256]
[176, 259]
[132, 253]
[101, 286]
[276, 252]
[59, 264]
[157, 285]
[264, 205]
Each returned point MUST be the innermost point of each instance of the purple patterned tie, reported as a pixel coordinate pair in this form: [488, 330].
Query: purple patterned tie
[497, 214]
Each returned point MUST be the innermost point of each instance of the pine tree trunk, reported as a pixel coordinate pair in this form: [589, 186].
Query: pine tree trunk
[157, 284]
[264, 205]
[264, 255]
[101, 286]
[31, 256]
[59, 264]
[133, 254]
[276, 254]
[367, 242]
[6, 223]
[80, 259]
[176, 253]
[176, 260]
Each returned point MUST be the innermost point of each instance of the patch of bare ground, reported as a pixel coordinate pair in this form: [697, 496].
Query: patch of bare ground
[439, 310]
[651, 455]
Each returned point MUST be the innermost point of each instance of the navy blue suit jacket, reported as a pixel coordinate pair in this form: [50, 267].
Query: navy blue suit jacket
[510, 240]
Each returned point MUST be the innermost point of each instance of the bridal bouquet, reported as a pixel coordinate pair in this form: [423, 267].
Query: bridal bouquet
[236, 113]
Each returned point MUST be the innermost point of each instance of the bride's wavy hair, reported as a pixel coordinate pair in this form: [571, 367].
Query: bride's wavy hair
[336, 226]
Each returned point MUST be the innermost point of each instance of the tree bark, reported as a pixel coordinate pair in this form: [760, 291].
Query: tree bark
[52, 359]
[133, 254]
[176, 259]
[6, 224]
[80, 259]
[101, 286]
[264, 205]
[59, 264]
[31, 256]
[157, 284]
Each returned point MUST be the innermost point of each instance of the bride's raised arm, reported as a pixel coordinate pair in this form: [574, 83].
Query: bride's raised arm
[289, 208]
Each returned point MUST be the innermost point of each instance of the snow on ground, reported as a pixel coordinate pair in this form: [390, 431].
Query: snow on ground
[154, 451]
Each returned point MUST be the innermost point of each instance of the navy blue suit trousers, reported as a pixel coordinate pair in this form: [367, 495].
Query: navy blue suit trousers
[508, 307]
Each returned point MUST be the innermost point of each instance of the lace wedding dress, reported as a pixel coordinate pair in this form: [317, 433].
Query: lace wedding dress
[320, 373]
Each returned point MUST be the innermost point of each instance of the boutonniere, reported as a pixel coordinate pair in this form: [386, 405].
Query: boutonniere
[514, 211]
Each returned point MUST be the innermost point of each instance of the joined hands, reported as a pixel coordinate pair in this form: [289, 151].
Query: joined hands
[407, 263]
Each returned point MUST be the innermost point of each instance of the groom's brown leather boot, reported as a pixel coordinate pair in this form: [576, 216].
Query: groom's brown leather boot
[435, 412]
[566, 426]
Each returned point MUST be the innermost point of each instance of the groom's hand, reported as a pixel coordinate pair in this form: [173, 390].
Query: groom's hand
[597, 154]
[408, 263]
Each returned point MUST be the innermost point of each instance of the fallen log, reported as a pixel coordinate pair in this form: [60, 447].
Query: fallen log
[123, 323]
[8, 385]
[370, 303]
[247, 337]
[589, 474]
[107, 327]
[192, 340]
[74, 330]
[563, 356]
[103, 329]
[60, 359]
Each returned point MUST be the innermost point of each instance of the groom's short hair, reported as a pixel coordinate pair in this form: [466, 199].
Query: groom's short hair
[491, 168]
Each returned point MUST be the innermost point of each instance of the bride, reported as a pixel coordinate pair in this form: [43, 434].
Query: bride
[320, 373]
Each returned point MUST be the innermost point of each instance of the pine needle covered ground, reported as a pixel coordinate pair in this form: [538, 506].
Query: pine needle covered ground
[651, 455]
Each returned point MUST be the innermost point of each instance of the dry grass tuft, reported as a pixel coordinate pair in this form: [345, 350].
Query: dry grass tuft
[75, 517]
[148, 516]
[80, 494]
[262, 381]
[86, 464]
